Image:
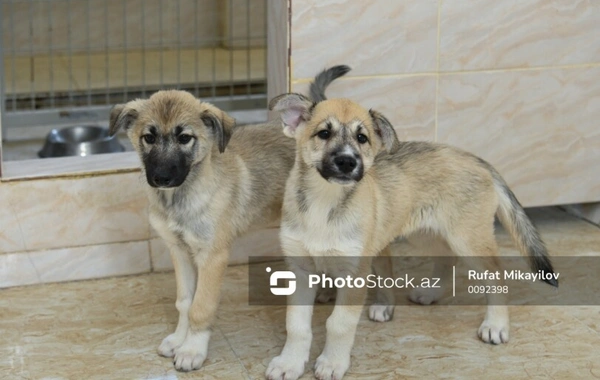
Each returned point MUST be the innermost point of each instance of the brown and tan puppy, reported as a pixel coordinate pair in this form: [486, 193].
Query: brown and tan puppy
[353, 189]
[209, 182]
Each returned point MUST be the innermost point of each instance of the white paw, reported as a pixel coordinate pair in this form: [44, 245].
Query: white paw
[495, 333]
[192, 352]
[284, 368]
[169, 345]
[326, 369]
[425, 296]
[381, 313]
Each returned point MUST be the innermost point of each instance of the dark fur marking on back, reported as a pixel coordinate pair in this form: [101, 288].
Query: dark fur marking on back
[406, 151]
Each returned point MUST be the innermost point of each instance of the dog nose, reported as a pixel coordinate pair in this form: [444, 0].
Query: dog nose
[162, 181]
[345, 164]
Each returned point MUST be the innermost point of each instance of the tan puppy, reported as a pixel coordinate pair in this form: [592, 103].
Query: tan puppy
[354, 188]
[203, 195]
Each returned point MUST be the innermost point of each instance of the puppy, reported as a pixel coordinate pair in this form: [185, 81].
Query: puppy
[208, 183]
[353, 189]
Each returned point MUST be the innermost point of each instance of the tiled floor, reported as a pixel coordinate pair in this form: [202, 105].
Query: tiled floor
[109, 329]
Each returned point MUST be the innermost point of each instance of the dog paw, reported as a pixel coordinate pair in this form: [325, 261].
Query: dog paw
[381, 313]
[494, 333]
[188, 359]
[192, 352]
[282, 368]
[169, 345]
[326, 369]
[425, 296]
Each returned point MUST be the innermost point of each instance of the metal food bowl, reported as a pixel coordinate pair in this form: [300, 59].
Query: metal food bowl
[81, 140]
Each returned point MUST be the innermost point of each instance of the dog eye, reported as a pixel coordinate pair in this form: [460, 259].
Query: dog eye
[361, 138]
[184, 139]
[149, 139]
[324, 134]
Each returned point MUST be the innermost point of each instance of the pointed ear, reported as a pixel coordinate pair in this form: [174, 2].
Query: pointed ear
[384, 130]
[295, 109]
[221, 124]
[123, 116]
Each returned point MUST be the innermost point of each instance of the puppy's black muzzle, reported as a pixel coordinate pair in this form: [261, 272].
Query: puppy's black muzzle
[345, 164]
[342, 168]
[166, 176]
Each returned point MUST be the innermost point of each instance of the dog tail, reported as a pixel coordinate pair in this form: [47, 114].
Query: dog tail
[521, 229]
[323, 79]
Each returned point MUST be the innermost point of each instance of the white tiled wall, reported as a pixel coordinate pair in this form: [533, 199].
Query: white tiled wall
[489, 34]
[56, 213]
[74, 263]
[70, 229]
[514, 81]
[376, 37]
[539, 128]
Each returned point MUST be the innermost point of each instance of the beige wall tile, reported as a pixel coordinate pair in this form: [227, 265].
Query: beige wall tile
[409, 102]
[76, 263]
[538, 128]
[72, 212]
[374, 37]
[12, 238]
[491, 34]
[17, 269]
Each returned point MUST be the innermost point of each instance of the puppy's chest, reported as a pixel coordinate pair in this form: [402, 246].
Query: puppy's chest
[326, 231]
[189, 219]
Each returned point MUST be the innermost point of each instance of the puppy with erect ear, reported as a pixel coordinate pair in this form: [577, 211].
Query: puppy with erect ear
[337, 137]
[295, 110]
[353, 189]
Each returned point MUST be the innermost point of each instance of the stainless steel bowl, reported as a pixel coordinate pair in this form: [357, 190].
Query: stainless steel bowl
[81, 140]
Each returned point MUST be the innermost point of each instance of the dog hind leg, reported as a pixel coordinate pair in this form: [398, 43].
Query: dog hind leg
[382, 310]
[480, 244]
[442, 269]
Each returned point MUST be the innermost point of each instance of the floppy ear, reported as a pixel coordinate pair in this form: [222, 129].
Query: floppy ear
[122, 116]
[294, 108]
[221, 123]
[385, 130]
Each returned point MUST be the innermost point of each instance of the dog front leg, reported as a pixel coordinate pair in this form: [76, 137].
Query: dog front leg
[202, 311]
[185, 276]
[341, 329]
[289, 365]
